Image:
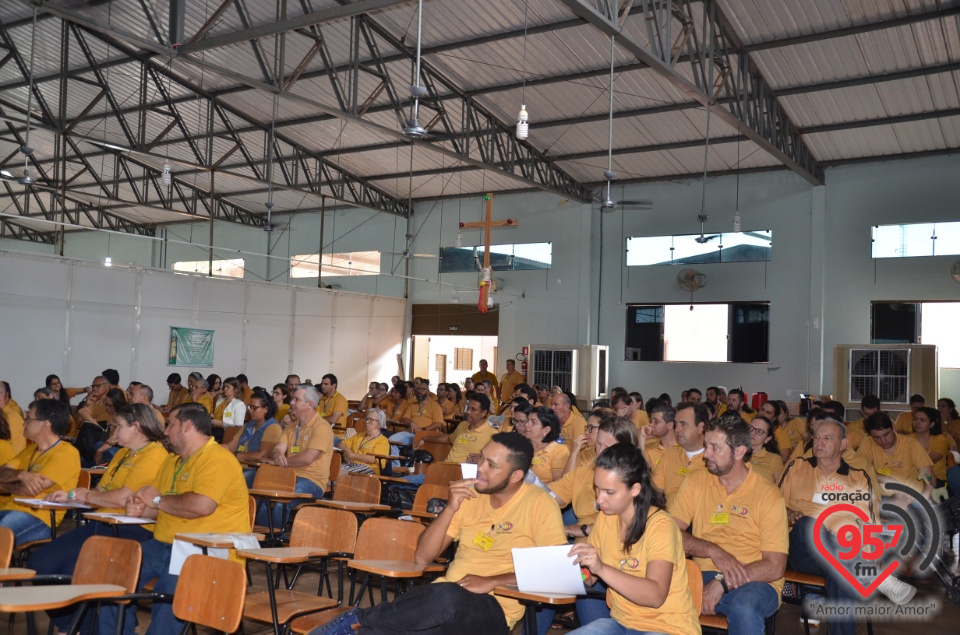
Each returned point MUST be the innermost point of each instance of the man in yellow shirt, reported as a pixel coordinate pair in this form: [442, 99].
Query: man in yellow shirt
[686, 457]
[489, 516]
[46, 466]
[305, 446]
[245, 390]
[896, 457]
[333, 406]
[483, 373]
[14, 417]
[178, 392]
[573, 424]
[660, 435]
[199, 488]
[485, 388]
[739, 529]
[736, 403]
[904, 422]
[424, 415]
[856, 433]
[509, 382]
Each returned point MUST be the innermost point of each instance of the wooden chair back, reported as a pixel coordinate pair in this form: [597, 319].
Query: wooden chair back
[359, 488]
[84, 479]
[695, 583]
[388, 539]
[6, 546]
[211, 592]
[229, 432]
[355, 421]
[428, 491]
[108, 560]
[443, 474]
[438, 450]
[273, 477]
[336, 459]
[332, 529]
[252, 509]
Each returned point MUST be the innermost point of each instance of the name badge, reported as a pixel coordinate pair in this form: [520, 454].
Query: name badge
[720, 518]
[885, 471]
[683, 471]
[483, 541]
[818, 499]
[294, 449]
[537, 461]
[241, 448]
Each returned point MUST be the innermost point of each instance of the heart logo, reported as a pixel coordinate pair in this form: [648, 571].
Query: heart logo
[862, 515]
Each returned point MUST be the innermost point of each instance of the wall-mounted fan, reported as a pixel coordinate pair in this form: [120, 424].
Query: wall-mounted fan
[691, 280]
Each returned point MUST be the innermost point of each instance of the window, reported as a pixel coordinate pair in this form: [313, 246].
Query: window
[356, 263]
[918, 323]
[462, 359]
[688, 249]
[738, 332]
[916, 240]
[502, 257]
[224, 268]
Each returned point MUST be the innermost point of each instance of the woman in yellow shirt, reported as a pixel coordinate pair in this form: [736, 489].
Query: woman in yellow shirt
[636, 549]
[949, 418]
[6, 448]
[765, 458]
[928, 431]
[549, 457]
[358, 450]
[281, 397]
[135, 465]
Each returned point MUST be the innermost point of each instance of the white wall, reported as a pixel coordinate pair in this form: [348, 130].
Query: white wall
[75, 318]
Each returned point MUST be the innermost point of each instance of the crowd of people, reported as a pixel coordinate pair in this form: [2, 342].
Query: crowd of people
[637, 488]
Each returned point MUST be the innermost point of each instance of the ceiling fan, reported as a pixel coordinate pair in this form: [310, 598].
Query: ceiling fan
[607, 204]
[27, 180]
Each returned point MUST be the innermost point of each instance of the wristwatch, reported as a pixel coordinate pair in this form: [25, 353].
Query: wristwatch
[156, 501]
[583, 528]
[723, 583]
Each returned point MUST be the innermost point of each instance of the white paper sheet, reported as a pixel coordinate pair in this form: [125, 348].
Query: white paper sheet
[46, 503]
[121, 519]
[547, 570]
[469, 470]
[183, 550]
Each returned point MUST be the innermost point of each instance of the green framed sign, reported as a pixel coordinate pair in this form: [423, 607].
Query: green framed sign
[190, 347]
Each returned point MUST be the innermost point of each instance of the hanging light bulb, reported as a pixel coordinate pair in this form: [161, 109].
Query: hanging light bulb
[523, 127]
[165, 175]
[736, 223]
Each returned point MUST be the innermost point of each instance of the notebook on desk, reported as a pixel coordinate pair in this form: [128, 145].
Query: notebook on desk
[547, 570]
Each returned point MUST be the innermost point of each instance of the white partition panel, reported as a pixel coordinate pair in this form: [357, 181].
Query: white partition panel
[75, 318]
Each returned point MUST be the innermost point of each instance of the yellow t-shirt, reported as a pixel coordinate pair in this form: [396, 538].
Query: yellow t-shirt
[661, 540]
[573, 428]
[655, 451]
[480, 375]
[334, 403]
[316, 434]
[245, 394]
[808, 490]
[940, 444]
[212, 472]
[133, 470]
[60, 463]
[904, 422]
[361, 444]
[673, 468]
[856, 433]
[640, 419]
[953, 429]
[282, 412]
[487, 536]
[903, 464]
[15, 420]
[767, 464]
[509, 383]
[466, 441]
[783, 438]
[553, 457]
[795, 428]
[7, 453]
[448, 408]
[207, 402]
[576, 488]
[586, 457]
[750, 520]
[425, 414]
[178, 396]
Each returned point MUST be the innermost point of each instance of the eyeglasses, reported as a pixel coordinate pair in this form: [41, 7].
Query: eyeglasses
[97, 385]
[758, 432]
[372, 420]
[516, 421]
[252, 407]
[591, 428]
[29, 419]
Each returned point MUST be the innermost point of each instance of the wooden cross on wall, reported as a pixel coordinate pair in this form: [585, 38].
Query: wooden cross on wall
[487, 224]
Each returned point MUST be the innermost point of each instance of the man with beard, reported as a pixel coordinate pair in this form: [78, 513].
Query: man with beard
[489, 516]
[739, 529]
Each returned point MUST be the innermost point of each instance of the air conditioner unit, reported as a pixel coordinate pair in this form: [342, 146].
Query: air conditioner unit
[582, 370]
[892, 372]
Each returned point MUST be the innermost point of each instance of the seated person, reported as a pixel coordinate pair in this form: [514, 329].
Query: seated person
[805, 449]
[305, 446]
[424, 415]
[773, 411]
[230, 410]
[43, 467]
[686, 457]
[549, 457]
[896, 458]
[259, 435]
[660, 435]
[358, 449]
[804, 485]
[488, 516]
[738, 529]
[928, 431]
[6, 446]
[142, 452]
[765, 456]
[637, 551]
[469, 437]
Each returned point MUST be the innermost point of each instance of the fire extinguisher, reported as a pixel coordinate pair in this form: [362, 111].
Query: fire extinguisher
[523, 368]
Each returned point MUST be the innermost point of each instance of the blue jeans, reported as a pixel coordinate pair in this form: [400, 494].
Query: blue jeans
[406, 438]
[248, 476]
[953, 480]
[60, 556]
[746, 607]
[608, 626]
[25, 527]
[156, 563]
[281, 512]
[415, 479]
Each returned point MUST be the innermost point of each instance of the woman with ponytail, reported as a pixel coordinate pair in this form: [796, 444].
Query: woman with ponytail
[637, 550]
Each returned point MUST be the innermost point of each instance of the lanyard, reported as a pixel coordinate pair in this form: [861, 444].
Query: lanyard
[176, 472]
[365, 441]
[32, 462]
